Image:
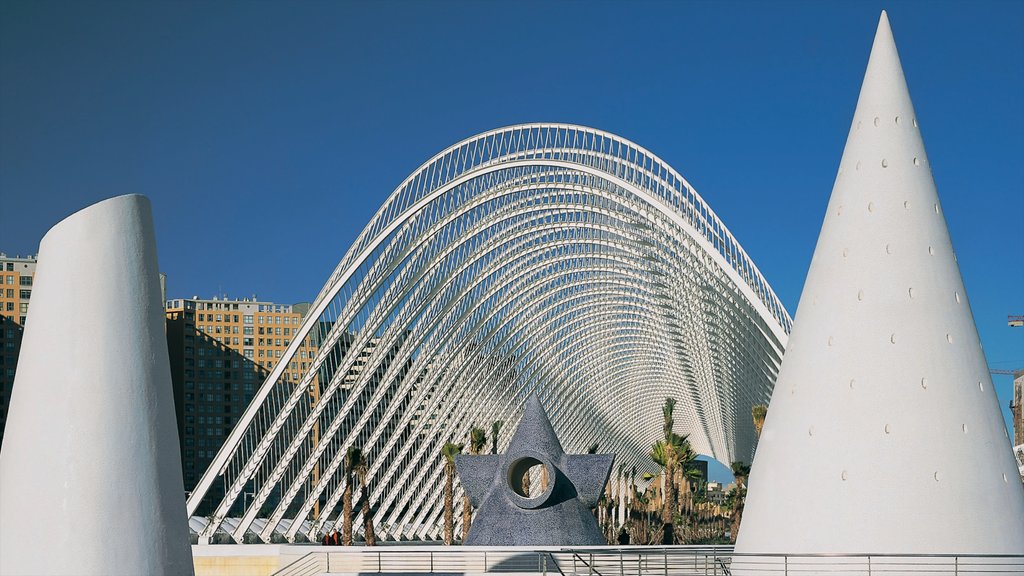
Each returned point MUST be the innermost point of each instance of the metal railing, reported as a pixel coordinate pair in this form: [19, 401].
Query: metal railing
[646, 560]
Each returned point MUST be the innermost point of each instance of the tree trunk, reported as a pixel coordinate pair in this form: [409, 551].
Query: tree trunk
[467, 517]
[346, 514]
[449, 503]
[668, 506]
[368, 534]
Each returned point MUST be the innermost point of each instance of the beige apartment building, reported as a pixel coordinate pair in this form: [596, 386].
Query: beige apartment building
[221, 351]
[16, 275]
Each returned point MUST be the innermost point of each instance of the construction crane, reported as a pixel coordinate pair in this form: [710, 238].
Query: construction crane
[995, 371]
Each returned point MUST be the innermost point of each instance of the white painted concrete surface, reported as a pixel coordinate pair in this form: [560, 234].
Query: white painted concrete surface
[884, 433]
[90, 474]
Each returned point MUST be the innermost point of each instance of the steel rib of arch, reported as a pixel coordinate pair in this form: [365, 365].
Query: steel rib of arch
[553, 258]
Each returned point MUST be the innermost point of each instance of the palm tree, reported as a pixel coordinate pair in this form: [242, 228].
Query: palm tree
[759, 413]
[361, 469]
[664, 453]
[495, 429]
[477, 442]
[449, 450]
[352, 458]
[737, 496]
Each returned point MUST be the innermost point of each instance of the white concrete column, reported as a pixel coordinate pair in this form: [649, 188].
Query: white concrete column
[884, 434]
[90, 473]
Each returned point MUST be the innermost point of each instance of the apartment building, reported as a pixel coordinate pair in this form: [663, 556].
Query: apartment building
[16, 276]
[221, 351]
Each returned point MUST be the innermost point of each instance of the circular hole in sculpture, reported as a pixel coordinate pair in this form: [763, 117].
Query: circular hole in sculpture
[916, 161]
[910, 293]
[845, 475]
[830, 340]
[931, 251]
[892, 338]
[846, 252]
[860, 295]
[924, 383]
[906, 204]
[949, 338]
[518, 472]
[810, 431]
[839, 211]
[956, 296]
[936, 208]
[876, 121]
[1004, 478]
[915, 122]
[871, 206]
[981, 385]
[936, 476]
[888, 248]
[964, 428]
[852, 383]
[857, 167]
[885, 163]
[897, 120]
[888, 429]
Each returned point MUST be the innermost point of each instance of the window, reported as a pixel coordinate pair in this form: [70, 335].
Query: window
[10, 292]
[277, 342]
[10, 307]
[202, 317]
[277, 331]
[10, 279]
[247, 331]
[247, 319]
[24, 294]
[236, 315]
[24, 307]
[25, 281]
[10, 266]
[219, 317]
[287, 331]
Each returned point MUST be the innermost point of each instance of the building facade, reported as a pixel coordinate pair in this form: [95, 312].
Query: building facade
[16, 275]
[221, 351]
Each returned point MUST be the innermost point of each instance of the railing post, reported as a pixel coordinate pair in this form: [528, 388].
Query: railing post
[956, 565]
[715, 561]
[869, 565]
[379, 564]
[485, 560]
[785, 560]
[665, 552]
[590, 565]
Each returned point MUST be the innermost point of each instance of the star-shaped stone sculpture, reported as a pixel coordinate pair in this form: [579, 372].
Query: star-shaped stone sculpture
[560, 515]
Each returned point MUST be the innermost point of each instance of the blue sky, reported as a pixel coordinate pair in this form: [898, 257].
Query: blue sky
[267, 134]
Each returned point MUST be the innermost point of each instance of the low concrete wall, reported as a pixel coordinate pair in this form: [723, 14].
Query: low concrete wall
[245, 560]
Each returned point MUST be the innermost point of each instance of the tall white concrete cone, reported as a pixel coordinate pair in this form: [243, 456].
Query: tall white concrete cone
[90, 474]
[884, 433]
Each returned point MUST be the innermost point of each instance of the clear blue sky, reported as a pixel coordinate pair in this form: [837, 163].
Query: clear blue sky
[267, 134]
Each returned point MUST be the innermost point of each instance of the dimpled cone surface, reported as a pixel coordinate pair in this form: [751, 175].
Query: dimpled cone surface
[884, 433]
[90, 473]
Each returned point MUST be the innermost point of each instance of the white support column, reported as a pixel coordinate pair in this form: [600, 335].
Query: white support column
[90, 473]
[884, 434]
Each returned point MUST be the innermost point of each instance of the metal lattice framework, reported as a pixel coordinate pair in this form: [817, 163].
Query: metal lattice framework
[540, 257]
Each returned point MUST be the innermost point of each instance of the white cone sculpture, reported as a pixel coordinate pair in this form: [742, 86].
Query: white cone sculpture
[90, 473]
[884, 433]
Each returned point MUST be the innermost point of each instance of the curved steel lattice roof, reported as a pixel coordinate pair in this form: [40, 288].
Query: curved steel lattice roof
[544, 257]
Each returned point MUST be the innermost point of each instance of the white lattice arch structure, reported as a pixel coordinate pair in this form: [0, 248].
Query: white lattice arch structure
[545, 257]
